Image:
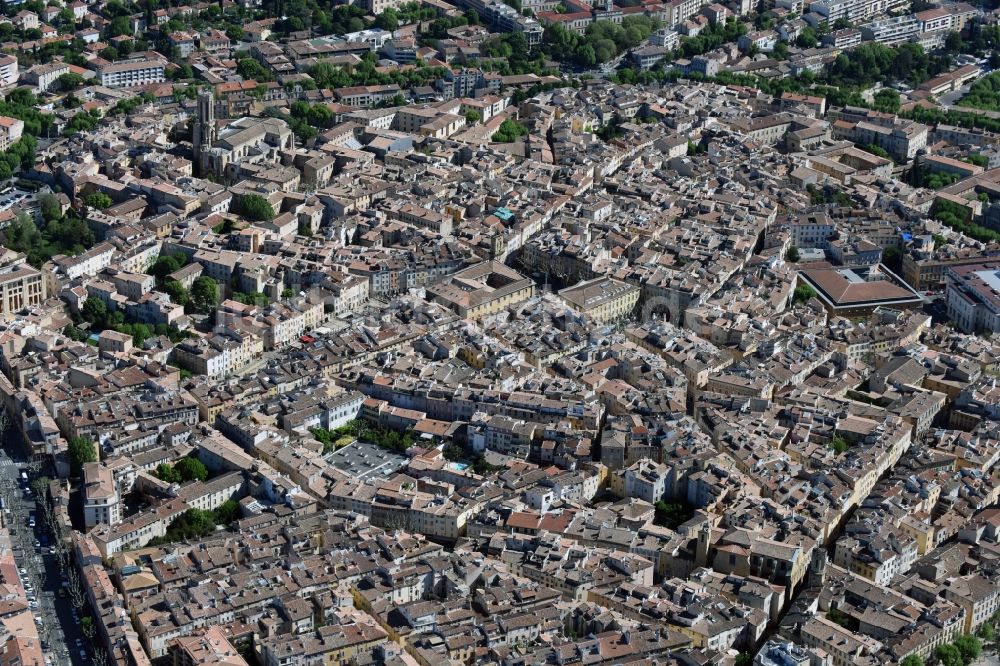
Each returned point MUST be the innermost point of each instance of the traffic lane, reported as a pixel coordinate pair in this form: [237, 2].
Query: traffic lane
[61, 610]
[64, 630]
[33, 575]
[58, 629]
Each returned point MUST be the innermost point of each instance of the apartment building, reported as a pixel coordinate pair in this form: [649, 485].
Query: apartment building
[11, 130]
[132, 72]
[973, 296]
[21, 285]
[210, 648]
[43, 76]
[219, 355]
[891, 31]
[8, 70]
[101, 503]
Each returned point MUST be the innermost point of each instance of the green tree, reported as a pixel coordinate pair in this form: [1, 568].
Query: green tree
[51, 208]
[119, 25]
[671, 514]
[255, 207]
[876, 150]
[968, 647]
[227, 512]
[69, 81]
[948, 655]
[204, 295]
[887, 100]
[191, 469]
[911, 660]
[178, 293]
[803, 293]
[473, 116]
[80, 450]
[807, 39]
[509, 131]
[249, 69]
[454, 452]
[839, 444]
[792, 254]
[98, 200]
[166, 264]
[892, 257]
[164, 472]
[95, 310]
[387, 20]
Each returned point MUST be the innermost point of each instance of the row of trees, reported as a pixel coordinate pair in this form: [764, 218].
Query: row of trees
[253, 207]
[962, 651]
[332, 439]
[959, 218]
[411, 12]
[362, 430]
[22, 104]
[713, 37]
[603, 41]
[984, 93]
[872, 62]
[197, 523]
[95, 311]
[59, 234]
[510, 53]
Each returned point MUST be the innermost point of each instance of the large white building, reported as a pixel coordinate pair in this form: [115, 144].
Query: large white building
[973, 296]
[132, 72]
[8, 70]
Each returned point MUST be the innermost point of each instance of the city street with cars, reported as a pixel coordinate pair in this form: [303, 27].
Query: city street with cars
[44, 565]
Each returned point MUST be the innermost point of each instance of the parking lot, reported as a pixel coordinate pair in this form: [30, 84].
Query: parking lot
[363, 460]
[13, 197]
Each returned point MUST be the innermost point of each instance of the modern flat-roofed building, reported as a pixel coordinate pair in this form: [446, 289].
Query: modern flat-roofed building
[132, 72]
[8, 70]
[973, 296]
